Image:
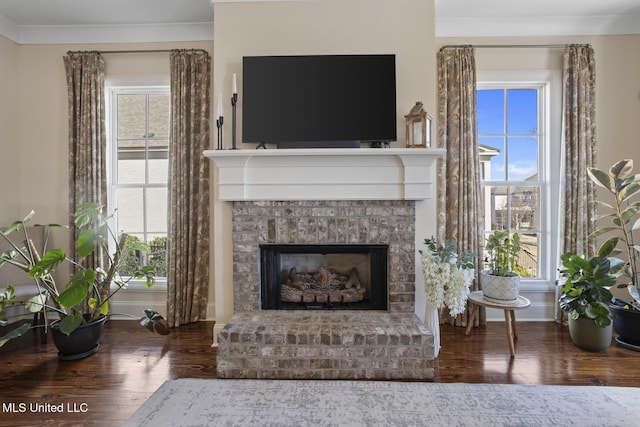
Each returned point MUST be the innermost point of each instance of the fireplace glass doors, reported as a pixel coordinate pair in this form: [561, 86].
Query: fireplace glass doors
[323, 277]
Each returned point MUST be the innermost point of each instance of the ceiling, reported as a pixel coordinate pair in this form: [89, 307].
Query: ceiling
[95, 21]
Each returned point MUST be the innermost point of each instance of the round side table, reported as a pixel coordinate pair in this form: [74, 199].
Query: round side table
[478, 299]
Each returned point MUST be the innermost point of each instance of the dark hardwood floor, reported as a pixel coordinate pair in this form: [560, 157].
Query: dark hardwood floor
[106, 388]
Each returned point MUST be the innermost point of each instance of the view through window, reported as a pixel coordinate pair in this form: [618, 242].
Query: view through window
[510, 138]
[139, 147]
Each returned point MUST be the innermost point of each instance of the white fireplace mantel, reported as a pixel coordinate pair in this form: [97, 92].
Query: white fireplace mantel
[325, 174]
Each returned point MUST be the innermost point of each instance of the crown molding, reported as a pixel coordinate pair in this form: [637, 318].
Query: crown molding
[538, 26]
[147, 33]
[9, 29]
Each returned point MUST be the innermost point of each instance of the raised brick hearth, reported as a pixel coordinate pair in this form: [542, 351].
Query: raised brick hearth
[325, 345]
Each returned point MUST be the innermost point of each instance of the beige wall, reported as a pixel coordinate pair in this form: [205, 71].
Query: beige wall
[9, 132]
[401, 27]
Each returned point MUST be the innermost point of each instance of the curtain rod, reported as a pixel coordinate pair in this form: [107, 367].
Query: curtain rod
[137, 51]
[506, 46]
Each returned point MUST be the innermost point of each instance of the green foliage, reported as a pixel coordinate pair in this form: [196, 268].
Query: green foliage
[448, 254]
[502, 252]
[624, 186]
[85, 297]
[522, 271]
[133, 257]
[158, 255]
[585, 293]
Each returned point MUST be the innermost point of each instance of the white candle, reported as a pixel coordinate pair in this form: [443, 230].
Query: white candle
[234, 86]
[219, 111]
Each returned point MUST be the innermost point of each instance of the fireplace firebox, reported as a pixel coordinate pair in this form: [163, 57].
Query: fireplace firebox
[321, 277]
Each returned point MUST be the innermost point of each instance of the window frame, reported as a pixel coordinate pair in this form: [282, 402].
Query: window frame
[549, 154]
[111, 92]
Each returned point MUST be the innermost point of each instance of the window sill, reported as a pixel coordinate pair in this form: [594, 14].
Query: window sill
[139, 285]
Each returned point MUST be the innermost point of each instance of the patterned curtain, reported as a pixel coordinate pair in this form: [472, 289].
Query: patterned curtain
[188, 239]
[87, 137]
[459, 194]
[578, 209]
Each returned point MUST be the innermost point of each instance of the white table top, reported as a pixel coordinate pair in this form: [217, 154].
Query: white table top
[477, 297]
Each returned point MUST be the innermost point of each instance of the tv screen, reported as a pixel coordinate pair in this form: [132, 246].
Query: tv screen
[319, 100]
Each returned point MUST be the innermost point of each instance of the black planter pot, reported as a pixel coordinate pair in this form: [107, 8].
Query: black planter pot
[627, 326]
[81, 343]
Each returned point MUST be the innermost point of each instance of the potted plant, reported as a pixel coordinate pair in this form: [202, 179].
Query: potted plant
[624, 186]
[586, 298]
[82, 303]
[499, 281]
[447, 276]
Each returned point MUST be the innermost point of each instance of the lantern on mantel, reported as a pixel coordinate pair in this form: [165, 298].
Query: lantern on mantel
[418, 127]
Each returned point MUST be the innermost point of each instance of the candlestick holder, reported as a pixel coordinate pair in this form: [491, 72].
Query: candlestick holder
[234, 101]
[219, 122]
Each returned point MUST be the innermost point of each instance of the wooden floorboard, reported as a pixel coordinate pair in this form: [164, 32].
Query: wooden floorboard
[132, 363]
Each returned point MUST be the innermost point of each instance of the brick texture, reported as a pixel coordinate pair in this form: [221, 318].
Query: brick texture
[309, 344]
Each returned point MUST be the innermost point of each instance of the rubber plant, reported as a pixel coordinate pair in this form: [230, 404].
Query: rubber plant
[623, 216]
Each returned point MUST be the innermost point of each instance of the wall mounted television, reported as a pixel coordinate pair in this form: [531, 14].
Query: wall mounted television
[319, 101]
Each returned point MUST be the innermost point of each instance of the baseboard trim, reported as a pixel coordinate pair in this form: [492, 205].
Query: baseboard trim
[216, 330]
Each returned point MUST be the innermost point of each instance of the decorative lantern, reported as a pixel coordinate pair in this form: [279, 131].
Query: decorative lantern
[418, 127]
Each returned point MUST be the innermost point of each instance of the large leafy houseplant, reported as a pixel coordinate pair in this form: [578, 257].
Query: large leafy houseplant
[624, 186]
[86, 295]
[586, 298]
[623, 217]
[585, 292]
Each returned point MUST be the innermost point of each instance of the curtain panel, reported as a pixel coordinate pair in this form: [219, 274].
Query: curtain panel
[578, 209]
[188, 217]
[459, 195]
[87, 137]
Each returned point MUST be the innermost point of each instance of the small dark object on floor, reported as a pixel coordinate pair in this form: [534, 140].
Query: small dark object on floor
[154, 321]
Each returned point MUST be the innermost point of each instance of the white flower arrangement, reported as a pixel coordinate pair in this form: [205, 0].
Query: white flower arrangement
[447, 276]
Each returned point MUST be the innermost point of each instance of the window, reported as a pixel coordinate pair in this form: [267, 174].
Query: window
[516, 141]
[138, 140]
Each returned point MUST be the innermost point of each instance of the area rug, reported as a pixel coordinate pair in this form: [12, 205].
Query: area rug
[197, 402]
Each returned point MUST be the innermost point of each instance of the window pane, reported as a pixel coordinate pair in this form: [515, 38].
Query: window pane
[492, 151]
[525, 209]
[159, 167]
[498, 208]
[131, 161]
[131, 116]
[159, 110]
[523, 158]
[157, 210]
[130, 208]
[528, 256]
[130, 171]
[490, 104]
[522, 111]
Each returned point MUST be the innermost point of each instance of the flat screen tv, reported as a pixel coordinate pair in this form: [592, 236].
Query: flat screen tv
[316, 101]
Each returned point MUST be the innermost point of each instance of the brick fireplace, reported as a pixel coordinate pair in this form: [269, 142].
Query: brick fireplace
[328, 198]
[324, 222]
